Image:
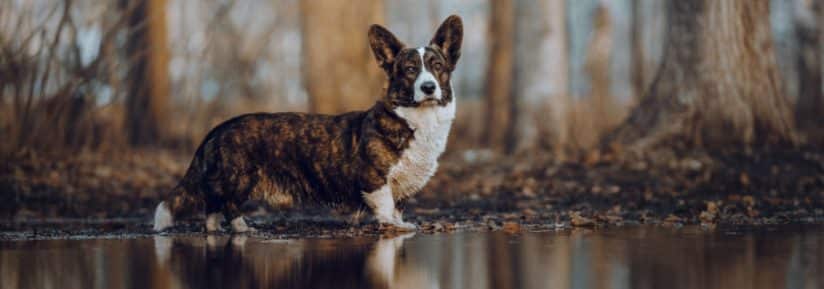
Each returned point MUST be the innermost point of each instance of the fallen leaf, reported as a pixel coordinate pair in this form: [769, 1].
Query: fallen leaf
[511, 227]
[580, 221]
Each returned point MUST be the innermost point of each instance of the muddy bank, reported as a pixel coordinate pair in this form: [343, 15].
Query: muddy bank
[97, 195]
[299, 226]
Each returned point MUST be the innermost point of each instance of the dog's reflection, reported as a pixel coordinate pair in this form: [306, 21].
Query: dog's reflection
[243, 262]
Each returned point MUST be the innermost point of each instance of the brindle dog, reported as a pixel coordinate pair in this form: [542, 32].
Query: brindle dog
[371, 158]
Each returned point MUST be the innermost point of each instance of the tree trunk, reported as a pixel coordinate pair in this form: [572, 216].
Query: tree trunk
[339, 71]
[648, 32]
[148, 84]
[541, 86]
[810, 105]
[718, 84]
[500, 103]
[638, 82]
[601, 110]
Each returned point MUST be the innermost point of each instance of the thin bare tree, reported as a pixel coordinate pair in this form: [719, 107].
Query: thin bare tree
[148, 83]
[500, 101]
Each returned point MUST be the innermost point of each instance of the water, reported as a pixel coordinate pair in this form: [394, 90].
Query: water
[641, 257]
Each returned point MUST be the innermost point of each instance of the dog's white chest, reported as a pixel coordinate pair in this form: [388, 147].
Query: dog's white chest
[419, 161]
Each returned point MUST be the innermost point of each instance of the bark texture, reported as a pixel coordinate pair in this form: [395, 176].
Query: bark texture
[647, 35]
[718, 83]
[148, 84]
[541, 86]
[600, 112]
[810, 105]
[340, 73]
[597, 65]
[638, 69]
[500, 102]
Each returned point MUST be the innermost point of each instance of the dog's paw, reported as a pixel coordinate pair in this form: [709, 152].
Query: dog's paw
[407, 226]
[247, 230]
[213, 222]
[239, 226]
[400, 226]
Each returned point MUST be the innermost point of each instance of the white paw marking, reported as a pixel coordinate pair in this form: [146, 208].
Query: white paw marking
[239, 225]
[381, 203]
[383, 206]
[163, 217]
[404, 226]
[213, 222]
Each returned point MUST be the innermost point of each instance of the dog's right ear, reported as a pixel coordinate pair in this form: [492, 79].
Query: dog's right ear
[385, 46]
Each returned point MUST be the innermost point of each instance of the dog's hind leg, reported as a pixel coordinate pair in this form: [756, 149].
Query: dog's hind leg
[232, 211]
[179, 203]
[233, 191]
[163, 217]
[214, 215]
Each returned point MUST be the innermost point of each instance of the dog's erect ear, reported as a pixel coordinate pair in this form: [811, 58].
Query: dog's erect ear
[448, 39]
[385, 46]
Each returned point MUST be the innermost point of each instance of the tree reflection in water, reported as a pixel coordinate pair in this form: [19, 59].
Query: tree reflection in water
[641, 257]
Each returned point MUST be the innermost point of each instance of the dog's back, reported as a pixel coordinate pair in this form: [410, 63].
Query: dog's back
[369, 158]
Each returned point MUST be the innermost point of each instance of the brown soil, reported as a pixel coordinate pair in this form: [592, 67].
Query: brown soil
[94, 195]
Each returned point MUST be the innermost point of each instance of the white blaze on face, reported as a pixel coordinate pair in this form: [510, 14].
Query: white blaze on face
[423, 77]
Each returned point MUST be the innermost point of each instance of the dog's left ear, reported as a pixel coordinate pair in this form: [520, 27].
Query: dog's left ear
[448, 39]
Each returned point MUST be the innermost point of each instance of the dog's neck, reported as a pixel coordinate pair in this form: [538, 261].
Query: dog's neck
[430, 126]
[427, 117]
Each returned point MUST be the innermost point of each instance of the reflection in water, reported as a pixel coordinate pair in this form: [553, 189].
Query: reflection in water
[620, 258]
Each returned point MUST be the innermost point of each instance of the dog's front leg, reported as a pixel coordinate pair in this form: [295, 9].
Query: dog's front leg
[383, 206]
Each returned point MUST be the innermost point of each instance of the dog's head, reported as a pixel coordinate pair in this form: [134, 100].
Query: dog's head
[419, 76]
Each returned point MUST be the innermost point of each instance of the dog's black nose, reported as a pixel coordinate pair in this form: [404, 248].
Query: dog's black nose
[428, 87]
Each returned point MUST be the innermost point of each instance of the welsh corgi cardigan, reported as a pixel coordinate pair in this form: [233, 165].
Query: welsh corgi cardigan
[371, 158]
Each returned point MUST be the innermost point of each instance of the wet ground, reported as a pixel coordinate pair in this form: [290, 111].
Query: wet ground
[789, 256]
[470, 187]
[738, 220]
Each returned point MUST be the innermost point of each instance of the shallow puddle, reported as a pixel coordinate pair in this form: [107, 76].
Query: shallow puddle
[640, 257]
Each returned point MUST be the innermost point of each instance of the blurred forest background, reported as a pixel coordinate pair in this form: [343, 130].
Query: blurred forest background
[545, 74]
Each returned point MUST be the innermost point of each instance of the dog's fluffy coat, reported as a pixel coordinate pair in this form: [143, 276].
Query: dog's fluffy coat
[369, 158]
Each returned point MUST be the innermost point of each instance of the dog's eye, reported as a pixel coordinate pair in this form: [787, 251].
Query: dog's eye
[411, 70]
[437, 66]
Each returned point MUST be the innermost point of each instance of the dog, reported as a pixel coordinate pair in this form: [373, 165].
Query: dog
[366, 159]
